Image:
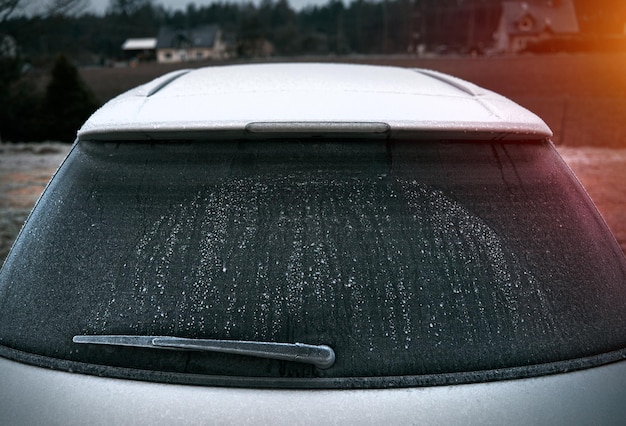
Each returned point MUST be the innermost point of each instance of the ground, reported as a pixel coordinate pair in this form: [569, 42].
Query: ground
[24, 171]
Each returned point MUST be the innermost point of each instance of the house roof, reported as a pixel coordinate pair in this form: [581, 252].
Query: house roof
[204, 36]
[535, 17]
[310, 99]
[139, 44]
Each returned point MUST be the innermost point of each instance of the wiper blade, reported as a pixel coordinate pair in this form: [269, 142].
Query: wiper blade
[321, 356]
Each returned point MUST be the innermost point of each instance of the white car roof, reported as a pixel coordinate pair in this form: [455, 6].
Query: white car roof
[310, 99]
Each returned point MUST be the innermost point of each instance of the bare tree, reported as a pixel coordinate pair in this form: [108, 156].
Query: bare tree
[127, 7]
[66, 7]
[9, 8]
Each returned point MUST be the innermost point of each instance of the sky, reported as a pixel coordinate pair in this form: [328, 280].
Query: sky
[100, 6]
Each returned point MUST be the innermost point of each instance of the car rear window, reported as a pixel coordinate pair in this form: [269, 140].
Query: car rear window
[416, 261]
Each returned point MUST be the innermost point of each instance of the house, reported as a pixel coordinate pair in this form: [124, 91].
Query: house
[142, 49]
[525, 22]
[195, 44]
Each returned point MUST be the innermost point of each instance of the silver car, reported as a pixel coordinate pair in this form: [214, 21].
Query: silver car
[313, 244]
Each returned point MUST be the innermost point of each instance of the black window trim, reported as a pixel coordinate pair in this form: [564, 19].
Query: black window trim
[380, 382]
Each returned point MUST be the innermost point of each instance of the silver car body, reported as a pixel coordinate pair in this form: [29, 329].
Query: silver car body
[315, 100]
[310, 98]
[36, 396]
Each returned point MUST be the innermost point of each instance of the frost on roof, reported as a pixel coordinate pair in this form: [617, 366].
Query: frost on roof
[228, 98]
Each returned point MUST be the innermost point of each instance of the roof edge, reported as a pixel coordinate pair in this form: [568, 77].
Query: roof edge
[255, 130]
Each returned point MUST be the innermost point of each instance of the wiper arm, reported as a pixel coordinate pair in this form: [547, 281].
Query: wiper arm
[321, 356]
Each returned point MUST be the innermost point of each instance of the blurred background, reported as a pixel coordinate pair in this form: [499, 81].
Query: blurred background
[61, 59]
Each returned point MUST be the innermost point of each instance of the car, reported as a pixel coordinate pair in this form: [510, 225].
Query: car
[313, 244]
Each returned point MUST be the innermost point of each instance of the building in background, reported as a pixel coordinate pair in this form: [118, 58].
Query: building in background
[197, 44]
[491, 26]
[523, 23]
[141, 49]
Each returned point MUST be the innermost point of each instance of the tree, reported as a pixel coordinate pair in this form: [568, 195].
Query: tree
[66, 7]
[18, 100]
[67, 103]
[9, 8]
[127, 7]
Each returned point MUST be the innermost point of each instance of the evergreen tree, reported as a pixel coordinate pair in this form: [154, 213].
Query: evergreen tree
[18, 100]
[67, 103]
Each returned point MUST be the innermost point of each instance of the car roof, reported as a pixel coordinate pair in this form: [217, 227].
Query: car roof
[310, 99]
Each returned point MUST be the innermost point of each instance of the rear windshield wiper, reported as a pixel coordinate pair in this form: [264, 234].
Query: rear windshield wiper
[321, 356]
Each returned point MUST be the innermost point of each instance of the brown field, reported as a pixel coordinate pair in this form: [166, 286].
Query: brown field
[581, 97]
